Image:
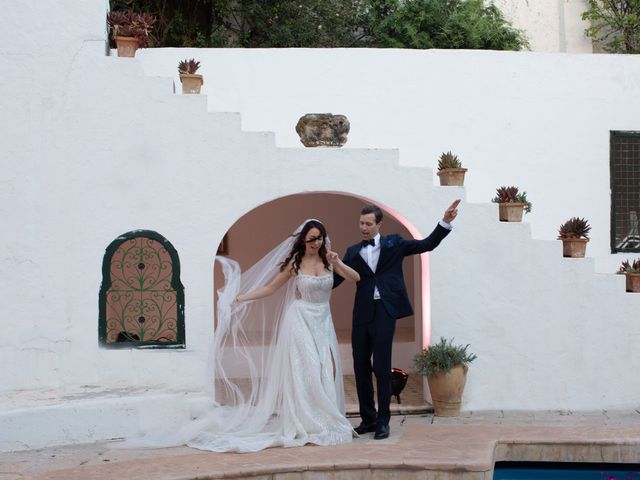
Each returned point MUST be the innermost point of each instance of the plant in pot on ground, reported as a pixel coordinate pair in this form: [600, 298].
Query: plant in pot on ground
[512, 204]
[574, 234]
[445, 365]
[450, 170]
[631, 270]
[130, 30]
[191, 82]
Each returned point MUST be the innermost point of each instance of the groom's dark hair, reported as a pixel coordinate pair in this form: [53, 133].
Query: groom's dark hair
[372, 209]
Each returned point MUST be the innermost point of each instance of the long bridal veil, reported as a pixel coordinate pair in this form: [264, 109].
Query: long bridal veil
[249, 367]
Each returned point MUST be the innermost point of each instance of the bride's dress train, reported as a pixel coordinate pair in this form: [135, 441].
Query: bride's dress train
[295, 397]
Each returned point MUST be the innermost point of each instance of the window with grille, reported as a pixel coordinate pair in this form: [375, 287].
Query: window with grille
[625, 191]
[141, 300]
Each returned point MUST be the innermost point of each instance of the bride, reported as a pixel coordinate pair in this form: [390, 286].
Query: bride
[276, 358]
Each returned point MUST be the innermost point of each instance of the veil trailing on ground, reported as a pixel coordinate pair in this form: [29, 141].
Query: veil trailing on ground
[254, 405]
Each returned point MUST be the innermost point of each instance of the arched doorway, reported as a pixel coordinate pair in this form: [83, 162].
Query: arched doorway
[259, 230]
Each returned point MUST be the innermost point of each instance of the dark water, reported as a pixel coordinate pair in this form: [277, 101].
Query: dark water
[565, 471]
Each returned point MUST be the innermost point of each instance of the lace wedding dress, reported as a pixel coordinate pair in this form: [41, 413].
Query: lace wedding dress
[304, 401]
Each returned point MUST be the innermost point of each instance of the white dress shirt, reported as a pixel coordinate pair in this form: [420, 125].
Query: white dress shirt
[371, 254]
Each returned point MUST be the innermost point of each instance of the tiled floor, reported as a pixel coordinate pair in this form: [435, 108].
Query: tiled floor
[420, 446]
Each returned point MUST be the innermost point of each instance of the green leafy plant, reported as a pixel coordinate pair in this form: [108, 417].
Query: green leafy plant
[615, 24]
[628, 267]
[441, 357]
[448, 160]
[512, 195]
[574, 228]
[131, 24]
[189, 67]
[325, 24]
[468, 24]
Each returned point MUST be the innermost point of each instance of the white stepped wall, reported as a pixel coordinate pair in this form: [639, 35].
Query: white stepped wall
[539, 121]
[74, 178]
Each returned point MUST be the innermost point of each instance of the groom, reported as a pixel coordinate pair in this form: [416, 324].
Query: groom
[381, 298]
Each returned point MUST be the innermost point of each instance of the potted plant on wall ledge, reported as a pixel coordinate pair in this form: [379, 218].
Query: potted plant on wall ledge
[191, 82]
[574, 234]
[450, 170]
[512, 204]
[632, 272]
[445, 365]
[130, 30]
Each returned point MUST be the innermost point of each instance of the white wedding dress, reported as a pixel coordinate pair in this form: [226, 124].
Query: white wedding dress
[304, 401]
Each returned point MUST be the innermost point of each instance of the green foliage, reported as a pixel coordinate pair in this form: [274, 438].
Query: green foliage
[329, 23]
[441, 357]
[467, 24]
[574, 228]
[448, 160]
[615, 24]
[627, 267]
[512, 195]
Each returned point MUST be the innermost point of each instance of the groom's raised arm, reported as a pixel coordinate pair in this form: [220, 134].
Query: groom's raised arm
[412, 247]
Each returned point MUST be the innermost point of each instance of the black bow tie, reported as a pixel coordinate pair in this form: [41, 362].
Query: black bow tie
[371, 242]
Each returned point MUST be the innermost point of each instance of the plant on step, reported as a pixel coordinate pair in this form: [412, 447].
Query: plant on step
[131, 24]
[512, 195]
[630, 267]
[188, 67]
[448, 160]
[441, 357]
[574, 228]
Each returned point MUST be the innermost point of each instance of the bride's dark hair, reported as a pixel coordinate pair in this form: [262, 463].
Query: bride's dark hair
[297, 250]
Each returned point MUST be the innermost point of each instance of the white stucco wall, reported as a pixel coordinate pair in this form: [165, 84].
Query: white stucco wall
[93, 148]
[537, 121]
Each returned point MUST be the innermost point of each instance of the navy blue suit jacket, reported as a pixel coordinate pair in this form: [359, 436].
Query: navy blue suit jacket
[388, 276]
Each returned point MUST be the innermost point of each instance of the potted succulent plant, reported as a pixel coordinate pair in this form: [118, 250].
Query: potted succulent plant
[130, 30]
[445, 365]
[191, 82]
[632, 272]
[450, 170]
[511, 204]
[574, 234]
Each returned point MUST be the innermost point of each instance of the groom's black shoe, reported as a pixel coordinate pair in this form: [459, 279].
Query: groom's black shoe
[363, 428]
[382, 432]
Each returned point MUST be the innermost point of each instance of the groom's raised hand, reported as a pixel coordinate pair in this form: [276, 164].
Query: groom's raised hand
[451, 213]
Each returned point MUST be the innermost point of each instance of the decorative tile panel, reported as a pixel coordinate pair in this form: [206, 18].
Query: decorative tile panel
[141, 299]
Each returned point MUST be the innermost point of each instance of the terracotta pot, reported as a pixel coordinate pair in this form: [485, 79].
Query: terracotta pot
[633, 282]
[191, 83]
[574, 247]
[511, 211]
[127, 46]
[452, 177]
[446, 391]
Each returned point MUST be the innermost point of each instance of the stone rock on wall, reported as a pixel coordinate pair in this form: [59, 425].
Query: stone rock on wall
[323, 130]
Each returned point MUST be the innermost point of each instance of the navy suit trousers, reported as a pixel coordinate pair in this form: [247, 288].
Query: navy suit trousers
[374, 339]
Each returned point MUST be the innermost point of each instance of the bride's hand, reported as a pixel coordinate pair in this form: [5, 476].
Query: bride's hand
[333, 257]
[238, 299]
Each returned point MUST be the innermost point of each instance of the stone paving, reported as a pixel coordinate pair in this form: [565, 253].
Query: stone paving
[420, 446]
